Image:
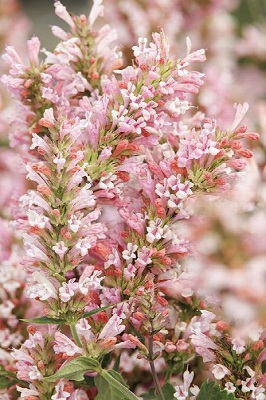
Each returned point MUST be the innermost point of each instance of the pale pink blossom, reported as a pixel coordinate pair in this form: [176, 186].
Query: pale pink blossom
[219, 371]
[112, 328]
[64, 345]
[60, 393]
[60, 249]
[62, 13]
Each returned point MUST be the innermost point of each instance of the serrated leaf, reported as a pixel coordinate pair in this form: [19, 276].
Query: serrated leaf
[75, 369]
[167, 389]
[96, 311]
[106, 391]
[45, 320]
[6, 383]
[150, 395]
[111, 378]
[211, 391]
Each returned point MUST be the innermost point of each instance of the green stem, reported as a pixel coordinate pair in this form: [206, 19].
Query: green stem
[168, 374]
[153, 371]
[75, 334]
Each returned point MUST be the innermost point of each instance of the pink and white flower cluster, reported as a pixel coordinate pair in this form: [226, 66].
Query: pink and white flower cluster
[115, 158]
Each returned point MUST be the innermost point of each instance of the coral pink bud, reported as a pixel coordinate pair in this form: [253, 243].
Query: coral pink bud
[241, 129]
[159, 337]
[41, 151]
[237, 164]
[247, 357]
[56, 212]
[235, 145]
[222, 326]
[109, 342]
[120, 147]
[83, 19]
[102, 250]
[162, 301]
[258, 345]
[44, 122]
[169, 347]
[160, 210]
[166, 260]
[224, 142]
[245, 153]
[67, 236]
[102, 317]
[220, 181]
[38, 167]
[139, 316]
[122, 85]
[145, 133]
[43, 189]
[31, 329]
[143, 67]
[92, 60]
[253, 135]
[40, 364]
[31, 398]
[124, 176]
[137, 342]
[28, 83]
[149, 285]
[94, 75]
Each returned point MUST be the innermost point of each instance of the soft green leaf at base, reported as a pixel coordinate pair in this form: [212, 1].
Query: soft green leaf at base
[211, 391]
[45, 320]
[115, 387]
[167, 389]
[106, 391]
[75, 369]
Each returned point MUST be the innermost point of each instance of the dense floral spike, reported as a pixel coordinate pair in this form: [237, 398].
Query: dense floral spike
[115, 158]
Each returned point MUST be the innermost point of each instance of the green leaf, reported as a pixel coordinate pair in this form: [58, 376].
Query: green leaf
[75, 369]
[107, 391]
[263, 366]
[150, 395]
[211, 391]
[96, 311]
[168, 392]
[6, 383]
[116, 385]
[45, 320]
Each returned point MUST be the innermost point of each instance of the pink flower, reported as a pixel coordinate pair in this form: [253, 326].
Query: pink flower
[60, 393]
[68, 290]
[60, 249]
[33, 50]
[62, 13]
[112, 328]
[239, 345]
[64, 345]
[219, 371]
[96, 11]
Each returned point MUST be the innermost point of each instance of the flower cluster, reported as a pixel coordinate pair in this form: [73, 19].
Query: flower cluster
[115, 157]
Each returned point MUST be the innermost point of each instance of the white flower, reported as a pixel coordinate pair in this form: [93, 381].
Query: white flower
[219, 371]
[60, 249]
[230, 387]
[129, 253]
[74, 223]
[36, 219]
[238, 345]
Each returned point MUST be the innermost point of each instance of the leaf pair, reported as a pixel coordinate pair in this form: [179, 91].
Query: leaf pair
[110, 384]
